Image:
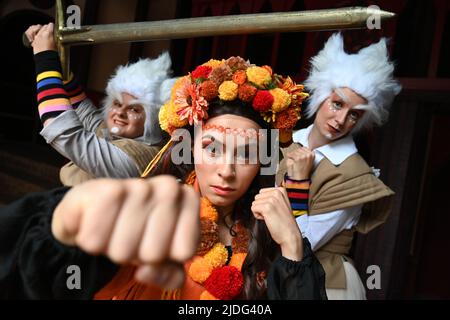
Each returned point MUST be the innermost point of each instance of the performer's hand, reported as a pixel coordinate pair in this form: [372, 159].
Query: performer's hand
[300, 163]
[272, 205]
[32, 32]
[43, 40]
[153, 224]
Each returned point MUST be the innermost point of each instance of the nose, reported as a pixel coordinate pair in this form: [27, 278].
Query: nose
[340, 117]
[227, 171]
[121, 112]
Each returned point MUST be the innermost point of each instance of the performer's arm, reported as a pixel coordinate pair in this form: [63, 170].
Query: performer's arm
[297, 280]
[95, 155]
[34, 265]
[53, 92]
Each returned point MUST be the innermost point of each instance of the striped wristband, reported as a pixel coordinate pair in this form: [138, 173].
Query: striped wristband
[51, 95]
[298, 194]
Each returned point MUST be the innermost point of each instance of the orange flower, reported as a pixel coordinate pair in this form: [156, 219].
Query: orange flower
[207, 296]
[285, 135]
[287, 119]
[246, 92]
[199, 270]
[268, 68]
[209, 90]
[239, 77]
[190, 104]
[207, 210]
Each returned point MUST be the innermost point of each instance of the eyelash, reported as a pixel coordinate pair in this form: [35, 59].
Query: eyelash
[210, 148]
[336, 104]
[354, 116]
[214, 151]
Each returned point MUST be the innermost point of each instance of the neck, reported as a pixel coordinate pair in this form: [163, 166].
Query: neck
[225, 221]
[225, 214]
[316, 140]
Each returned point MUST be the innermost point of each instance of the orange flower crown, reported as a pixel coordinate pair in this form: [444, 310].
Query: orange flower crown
[276, 98]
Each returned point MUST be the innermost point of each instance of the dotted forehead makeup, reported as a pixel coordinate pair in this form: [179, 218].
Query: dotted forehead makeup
[248, 133]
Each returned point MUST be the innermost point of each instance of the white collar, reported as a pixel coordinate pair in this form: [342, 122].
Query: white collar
[336, 151]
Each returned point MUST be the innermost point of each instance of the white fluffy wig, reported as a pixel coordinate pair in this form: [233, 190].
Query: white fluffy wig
[149, 81]
[369, 73]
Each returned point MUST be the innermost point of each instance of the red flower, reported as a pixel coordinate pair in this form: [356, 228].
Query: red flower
[263, 101]
[225, 283]
[201, 72]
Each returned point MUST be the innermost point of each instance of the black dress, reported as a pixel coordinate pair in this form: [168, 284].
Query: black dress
[34, 265]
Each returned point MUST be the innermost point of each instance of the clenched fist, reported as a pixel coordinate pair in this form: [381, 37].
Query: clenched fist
[153, 224]
[41, 37]
[299, 163]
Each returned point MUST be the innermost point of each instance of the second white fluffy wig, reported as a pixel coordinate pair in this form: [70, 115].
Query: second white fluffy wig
[369, 73]
[150, 82]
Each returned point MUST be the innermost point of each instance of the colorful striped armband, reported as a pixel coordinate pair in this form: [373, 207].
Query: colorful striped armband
[51, 95]
[298, 194]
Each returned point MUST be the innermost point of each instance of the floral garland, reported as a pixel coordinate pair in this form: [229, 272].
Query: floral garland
[276, 98]
[209, 267]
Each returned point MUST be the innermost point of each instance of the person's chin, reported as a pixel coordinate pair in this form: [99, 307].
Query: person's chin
[219, 201]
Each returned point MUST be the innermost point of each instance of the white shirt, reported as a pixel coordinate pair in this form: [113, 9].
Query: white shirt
[321, 228]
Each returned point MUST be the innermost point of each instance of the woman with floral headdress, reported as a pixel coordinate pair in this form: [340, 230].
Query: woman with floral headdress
[212, 227]
[349, 92]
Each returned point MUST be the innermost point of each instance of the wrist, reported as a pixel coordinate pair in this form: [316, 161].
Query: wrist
[47, 60]
[305, 181]
[293, 248]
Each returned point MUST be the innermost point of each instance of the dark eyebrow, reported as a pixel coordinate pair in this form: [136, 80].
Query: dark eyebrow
[208, 136]
[135, 105]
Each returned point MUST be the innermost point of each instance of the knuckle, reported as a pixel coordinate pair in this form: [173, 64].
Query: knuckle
[182, 254]
[111, 190]
[141, 188]
[150, 255]
[91, 243]
[120, 256]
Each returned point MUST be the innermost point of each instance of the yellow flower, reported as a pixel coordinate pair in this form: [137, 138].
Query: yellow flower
[259, 76]
[173, 118]
[163, 122]
[176, 86]
[228, 91]
[281, 99]
[217, 256]
[199, 270]
[214, 63]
